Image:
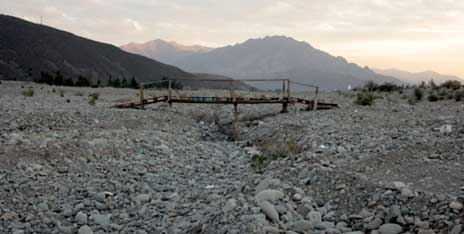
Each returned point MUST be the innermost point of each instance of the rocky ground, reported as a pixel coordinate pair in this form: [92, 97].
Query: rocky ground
[67, 166]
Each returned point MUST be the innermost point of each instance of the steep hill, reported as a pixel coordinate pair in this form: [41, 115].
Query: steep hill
[281, 57]
[27, 49]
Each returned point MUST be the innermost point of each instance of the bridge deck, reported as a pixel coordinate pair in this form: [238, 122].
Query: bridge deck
[311, 104]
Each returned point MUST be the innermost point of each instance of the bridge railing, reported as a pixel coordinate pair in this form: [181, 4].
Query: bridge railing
[227, 88]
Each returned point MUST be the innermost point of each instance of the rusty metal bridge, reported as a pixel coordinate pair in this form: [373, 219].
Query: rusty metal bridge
[285, 98]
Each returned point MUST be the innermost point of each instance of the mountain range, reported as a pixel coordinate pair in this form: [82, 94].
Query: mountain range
[28, 49]
[418, 77]
[268, 57]
[165, 51]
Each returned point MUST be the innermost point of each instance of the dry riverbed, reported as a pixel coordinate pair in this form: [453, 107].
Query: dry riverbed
[67, 166]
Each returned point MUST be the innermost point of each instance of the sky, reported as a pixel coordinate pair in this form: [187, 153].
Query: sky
[414, 35]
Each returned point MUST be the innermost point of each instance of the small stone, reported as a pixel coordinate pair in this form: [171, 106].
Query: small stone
[102, 220]
[100, 197]
[66, 229]
[230, 205]
[399, 185]
[142, 198]
[325, 225]
[423, 231]
[81, 218]
[78, 207]
[374, 224]
[446, 129]
[455, 205]
[314, 217]
[422, 224]
[297, 197]
[332, 231]
[365, 213]
[18, 232]
[390, 228]
[270, 211]
[85, 230]
[457, 229]
[406, 192]
[269, 195]
[272, 230]
[42, 206]
[300, 226]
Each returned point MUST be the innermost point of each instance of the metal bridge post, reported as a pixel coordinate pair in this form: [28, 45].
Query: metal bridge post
[284, 107]
[142, 98]
[283, 89]
[315, 99]
[288, 89]
[170, 93]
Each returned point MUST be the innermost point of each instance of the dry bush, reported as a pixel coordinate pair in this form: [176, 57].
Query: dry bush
[274, 151]
[459, 96]
[29, 92]
[451, 84]
[61, 92]
[364, 99]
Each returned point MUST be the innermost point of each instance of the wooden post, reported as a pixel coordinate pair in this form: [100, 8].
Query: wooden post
[142, 99]
[283, 89]
[170, 93]
[235, 122]
[315, 99]
[232, 88]
[284, 107]
[288, 89]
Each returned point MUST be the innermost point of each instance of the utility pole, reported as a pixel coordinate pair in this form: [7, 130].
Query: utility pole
[41, 20]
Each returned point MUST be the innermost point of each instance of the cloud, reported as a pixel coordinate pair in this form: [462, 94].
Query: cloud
[134, 24]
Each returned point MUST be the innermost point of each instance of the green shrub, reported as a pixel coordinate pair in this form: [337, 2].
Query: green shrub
[412, 101]
[29, 92]
[370, 86]
[258, 162]
[459, 96]
[433, 98]
[364, 99]
[418, 94]
[92, 100]
[61, 92]
[388, 87]
[94, 95]
[451, 84]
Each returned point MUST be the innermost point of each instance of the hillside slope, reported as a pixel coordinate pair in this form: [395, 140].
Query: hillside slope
[27, 49]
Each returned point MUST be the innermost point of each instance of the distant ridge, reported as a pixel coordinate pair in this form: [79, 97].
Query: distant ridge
[417, 77]
[169, 52]
[274, 57]
[27, 49]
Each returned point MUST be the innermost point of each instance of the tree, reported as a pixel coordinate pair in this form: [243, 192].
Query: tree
[68, 82]
[116, 83]
[45, 78]
[110, 81]
[58, 79]
[133, 83]
[124, 83]
[82, 81]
